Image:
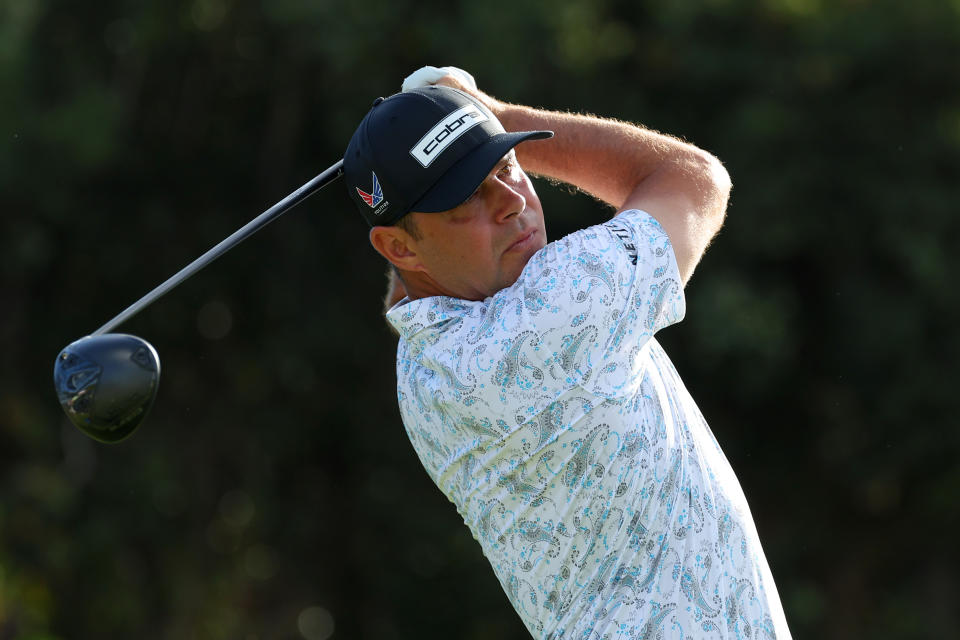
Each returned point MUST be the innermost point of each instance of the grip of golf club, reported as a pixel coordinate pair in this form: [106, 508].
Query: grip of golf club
[238, 236]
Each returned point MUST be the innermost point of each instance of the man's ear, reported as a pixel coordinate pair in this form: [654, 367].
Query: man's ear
[396, 245]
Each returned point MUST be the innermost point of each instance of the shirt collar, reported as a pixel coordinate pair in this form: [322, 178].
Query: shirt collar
[421, 322]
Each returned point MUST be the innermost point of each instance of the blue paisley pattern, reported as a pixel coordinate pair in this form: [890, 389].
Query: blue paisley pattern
[554, 421]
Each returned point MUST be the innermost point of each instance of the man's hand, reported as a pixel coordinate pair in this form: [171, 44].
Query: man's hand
[453, 77]
[450, 76]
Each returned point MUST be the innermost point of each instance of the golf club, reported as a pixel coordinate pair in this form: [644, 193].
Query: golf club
[106, 382]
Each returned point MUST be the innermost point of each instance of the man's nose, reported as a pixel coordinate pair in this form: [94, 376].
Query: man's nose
[508, 201]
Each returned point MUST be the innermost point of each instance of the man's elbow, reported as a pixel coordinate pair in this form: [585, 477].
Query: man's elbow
[714, 185]
[708, 207]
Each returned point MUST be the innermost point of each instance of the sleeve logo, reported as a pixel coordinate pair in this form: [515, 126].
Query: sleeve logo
[625, 236]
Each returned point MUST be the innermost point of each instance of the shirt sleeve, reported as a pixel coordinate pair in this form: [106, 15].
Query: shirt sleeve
[595, 298]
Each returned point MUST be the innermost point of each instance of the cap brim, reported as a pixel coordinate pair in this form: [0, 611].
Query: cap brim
[463, 178]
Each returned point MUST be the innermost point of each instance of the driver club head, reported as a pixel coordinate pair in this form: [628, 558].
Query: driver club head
[106, 384]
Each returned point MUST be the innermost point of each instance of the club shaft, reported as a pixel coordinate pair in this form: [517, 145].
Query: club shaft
[238, 236]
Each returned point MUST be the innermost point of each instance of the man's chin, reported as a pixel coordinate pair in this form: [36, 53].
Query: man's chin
[524, 259]
[538, 243]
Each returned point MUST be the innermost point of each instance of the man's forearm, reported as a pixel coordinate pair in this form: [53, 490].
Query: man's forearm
[628, 167]
[685, 188]
[606, 158]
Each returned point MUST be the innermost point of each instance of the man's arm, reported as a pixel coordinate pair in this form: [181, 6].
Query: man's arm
[685, 188]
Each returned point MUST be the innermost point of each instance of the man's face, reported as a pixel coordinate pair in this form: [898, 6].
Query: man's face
[481, 246]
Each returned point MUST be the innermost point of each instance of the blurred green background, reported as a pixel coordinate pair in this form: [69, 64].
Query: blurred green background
[272, 492]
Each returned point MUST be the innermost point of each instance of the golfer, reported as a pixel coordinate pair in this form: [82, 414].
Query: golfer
[529, 378]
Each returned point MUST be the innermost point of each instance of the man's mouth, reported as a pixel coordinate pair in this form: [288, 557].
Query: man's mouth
[523, 241]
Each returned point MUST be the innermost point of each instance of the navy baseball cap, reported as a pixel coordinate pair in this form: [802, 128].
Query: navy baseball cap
[424, 150]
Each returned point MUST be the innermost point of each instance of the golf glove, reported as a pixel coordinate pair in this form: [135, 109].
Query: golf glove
[425, 76]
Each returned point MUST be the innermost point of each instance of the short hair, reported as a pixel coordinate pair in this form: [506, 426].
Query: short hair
[408, 224]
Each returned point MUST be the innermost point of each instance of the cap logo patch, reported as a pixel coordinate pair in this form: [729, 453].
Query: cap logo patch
[445, 132]
[372, 199]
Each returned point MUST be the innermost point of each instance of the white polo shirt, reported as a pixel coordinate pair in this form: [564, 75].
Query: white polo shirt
[554, 421]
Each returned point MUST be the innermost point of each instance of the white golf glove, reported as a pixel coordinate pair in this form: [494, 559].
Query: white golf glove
[425, 76]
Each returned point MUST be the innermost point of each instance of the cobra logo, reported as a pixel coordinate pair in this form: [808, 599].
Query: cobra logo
[445, 132]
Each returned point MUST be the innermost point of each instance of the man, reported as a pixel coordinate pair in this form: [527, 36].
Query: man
[529, 380]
